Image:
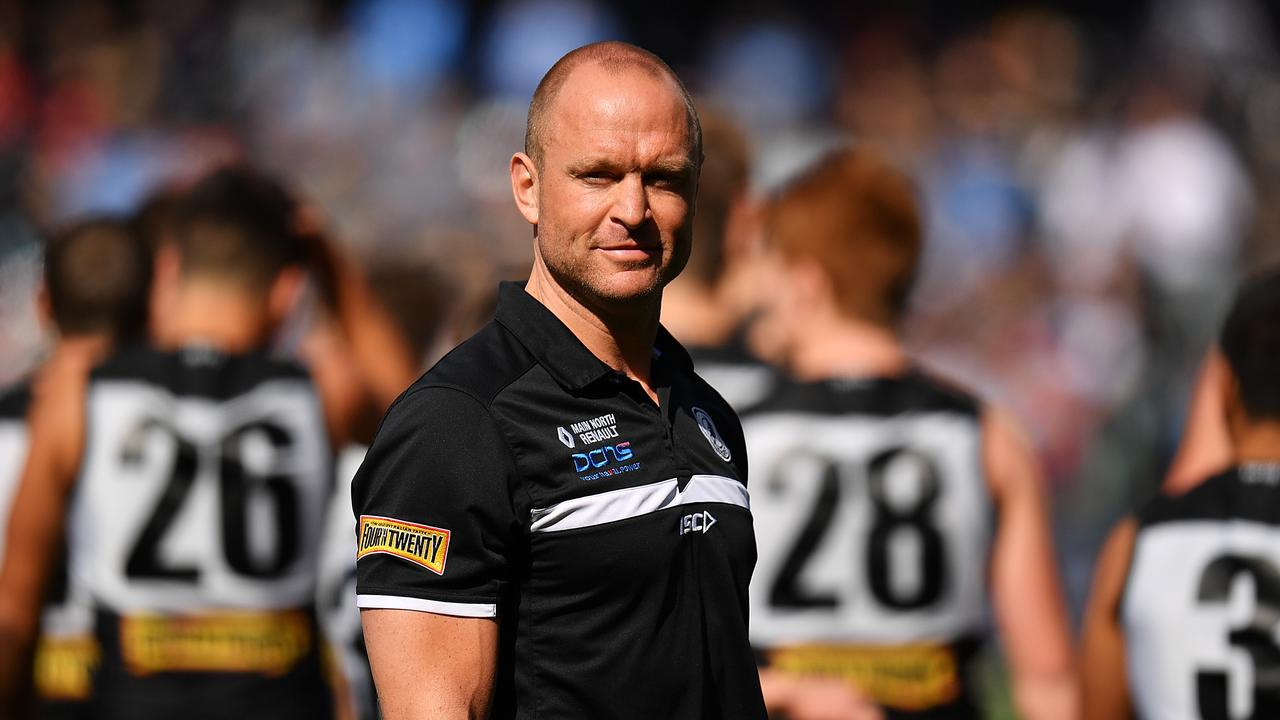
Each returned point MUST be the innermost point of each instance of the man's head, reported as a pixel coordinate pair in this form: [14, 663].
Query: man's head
[1250, 343]
[851, 221]
[97, 279]
[609, 174]
[237, 227]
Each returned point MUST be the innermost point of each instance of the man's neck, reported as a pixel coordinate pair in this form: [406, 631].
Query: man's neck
[218, 315]
[831, 346]
[622, 340]
[1258, 442]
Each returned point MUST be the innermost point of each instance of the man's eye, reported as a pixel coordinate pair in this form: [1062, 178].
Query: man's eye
[596, 177]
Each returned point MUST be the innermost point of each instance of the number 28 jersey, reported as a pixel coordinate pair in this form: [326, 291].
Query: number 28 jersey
[1201, 604]
[873, 525]
[202, 493]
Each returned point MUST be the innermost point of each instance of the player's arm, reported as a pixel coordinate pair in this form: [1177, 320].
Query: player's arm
[1205, 448]
[458, 682]
[439, 471]
[1102, 660]
[35, 525]
[1026, 590]
[362, 362]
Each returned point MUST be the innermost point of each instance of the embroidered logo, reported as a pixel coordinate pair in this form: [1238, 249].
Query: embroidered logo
[708, 427]
[419, 544]
[565, 437]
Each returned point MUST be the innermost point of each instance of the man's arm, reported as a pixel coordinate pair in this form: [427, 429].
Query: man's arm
[431, 666]
[35, 524]
[1205, 448]
[1102, 659]
[1026, 591]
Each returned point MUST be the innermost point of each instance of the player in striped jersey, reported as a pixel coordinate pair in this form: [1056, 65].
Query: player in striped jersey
[890, 506]
[1182, 618]
[203, 466]
[97, 274]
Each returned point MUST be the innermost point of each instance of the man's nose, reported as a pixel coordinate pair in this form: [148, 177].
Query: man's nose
[630, 202]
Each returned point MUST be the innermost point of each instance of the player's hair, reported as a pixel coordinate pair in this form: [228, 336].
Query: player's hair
[856, 215]
[722, 180]
[614, 56]
[1250, 342]
[97, 274]
[238, 225]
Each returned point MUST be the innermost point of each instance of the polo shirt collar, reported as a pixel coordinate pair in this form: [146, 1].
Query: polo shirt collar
[558, 350]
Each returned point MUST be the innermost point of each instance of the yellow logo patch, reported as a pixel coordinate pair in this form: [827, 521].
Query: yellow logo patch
[419, 544]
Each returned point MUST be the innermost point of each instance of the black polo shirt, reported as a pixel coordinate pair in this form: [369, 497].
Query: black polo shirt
[523, 478]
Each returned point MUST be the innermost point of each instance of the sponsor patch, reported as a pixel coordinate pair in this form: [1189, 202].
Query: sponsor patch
[64, 667]
[419, 544]
[271, 643]
[903, 677]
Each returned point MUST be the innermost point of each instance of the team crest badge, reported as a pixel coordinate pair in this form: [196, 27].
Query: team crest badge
[708, 428]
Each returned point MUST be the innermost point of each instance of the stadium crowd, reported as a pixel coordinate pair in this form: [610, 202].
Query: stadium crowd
[1095, 181]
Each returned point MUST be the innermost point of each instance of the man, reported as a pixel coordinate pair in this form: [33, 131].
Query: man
[1182, 616]
[201, 468]
[96, 279]
[877, 484]
[554, 520]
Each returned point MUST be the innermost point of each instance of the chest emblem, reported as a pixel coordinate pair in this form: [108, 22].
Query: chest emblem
[708, 428]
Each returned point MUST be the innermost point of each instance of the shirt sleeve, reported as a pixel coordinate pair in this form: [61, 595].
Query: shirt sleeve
[434, 513]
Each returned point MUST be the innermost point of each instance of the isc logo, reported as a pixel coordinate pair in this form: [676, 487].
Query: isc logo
[698, 522]
[600, 457]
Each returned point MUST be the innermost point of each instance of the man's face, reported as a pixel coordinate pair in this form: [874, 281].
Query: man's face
[616, 185]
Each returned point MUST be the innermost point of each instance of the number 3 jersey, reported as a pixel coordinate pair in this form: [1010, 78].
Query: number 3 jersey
[202, 493]
[873, 524]
[1201, 604]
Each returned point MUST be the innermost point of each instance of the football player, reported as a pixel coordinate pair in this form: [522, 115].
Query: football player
[891, 508]
[94, 294]
[1182, 617]
[201, 464]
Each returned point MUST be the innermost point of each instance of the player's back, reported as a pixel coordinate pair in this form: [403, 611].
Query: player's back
[202, 492]
[1201, 604]
[873, 523]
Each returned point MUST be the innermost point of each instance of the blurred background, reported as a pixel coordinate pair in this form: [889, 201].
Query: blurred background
[1097, 175]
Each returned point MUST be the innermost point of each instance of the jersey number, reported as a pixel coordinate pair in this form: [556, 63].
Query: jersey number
[889, 519]
[237, 489]
[1256, 637]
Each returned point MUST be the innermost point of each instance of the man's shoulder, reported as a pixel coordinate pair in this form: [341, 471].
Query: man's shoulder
[482, 366]
[889, 396]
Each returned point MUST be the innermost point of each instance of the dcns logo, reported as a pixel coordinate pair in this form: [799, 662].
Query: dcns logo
[603, 456]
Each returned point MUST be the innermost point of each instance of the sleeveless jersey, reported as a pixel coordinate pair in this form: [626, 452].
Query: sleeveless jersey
[1201, 605]
[873, 523]
[66, 652]
[203, 489]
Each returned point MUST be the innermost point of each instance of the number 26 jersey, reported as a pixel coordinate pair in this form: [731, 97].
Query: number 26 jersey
[873, 525]
[202, 489]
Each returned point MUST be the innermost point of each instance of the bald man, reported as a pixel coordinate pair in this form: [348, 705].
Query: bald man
[554, 522]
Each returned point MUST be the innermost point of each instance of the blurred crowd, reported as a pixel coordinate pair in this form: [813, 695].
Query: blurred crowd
[1096, 178]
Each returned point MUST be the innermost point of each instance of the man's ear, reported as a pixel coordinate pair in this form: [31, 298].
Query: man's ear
[284, 293]
[524, 186]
